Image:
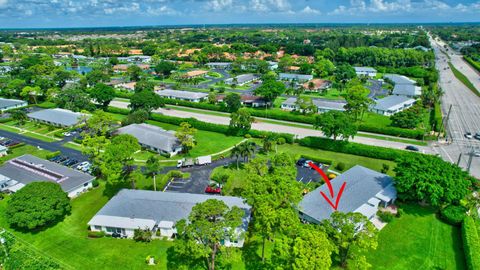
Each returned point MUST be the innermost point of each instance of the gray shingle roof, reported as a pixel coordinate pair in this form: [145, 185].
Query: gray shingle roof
[320, 103]
[225, 64]
[58, 116]
[294, 76]
[399, 79]
[158, 206]
[7, 103]
[69, 179]
[168, 93]
[407, 90]
[241, 79]
[392, 103]
[362, 185]
[364, 69]
[152, 136]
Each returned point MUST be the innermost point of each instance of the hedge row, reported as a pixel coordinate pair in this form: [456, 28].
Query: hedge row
[472, 62]
[224, 129]
[5, 120]
[291, 117]
[317, 159]
[471, 243]
[353, 148]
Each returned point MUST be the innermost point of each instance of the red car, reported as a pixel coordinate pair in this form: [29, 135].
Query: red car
[213, 190]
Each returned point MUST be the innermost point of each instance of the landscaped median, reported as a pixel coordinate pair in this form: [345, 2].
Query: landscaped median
[461, 77]
[40, 132]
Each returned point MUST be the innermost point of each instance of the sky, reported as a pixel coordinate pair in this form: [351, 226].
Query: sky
[99, 13]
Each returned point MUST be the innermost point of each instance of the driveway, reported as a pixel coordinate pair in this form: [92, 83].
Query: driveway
[376, 89]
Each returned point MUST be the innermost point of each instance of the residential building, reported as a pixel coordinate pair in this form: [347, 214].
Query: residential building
[182, 95]
[159, 211]
[3, 151]
[242, 79]
[399, 79]
[295, 77]
[120, 68]
[57, 117]
[20, 171]
[153, 138]
[8, 104]
[272, 65]
[322, 105]
[194, 74]
[408, 90]
[365, 71]
[130, 86]
[219, 65]
[392, 104]
[317, 85]
[5, 69]
[254, 101]
[365, 191]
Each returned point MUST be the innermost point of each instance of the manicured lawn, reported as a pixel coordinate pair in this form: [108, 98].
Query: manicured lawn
[208, 143]
[376, 119]
[333, 94]
[418, 240]
[380, 137]
[349, 160]
[67, 241]
[73, 146]
[41, 137]
[22, 150]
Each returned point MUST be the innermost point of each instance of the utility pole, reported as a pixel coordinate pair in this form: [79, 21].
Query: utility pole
[459, 159]
[445, 122]
[470, 158]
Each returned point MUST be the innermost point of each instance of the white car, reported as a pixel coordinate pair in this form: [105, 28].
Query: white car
[67, 134]
[83, 165]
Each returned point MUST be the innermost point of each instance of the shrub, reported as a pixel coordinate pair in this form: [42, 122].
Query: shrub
[247, 136]
[317, 159]
[58, 134]
[281, 141]
[37, 205]
[95, 183]
[400, 212]
[385, 216]
[385, 168]
[95, 234]
[220, 176]
[174, 174]
[142, 235]
[453, 214]
[471, 243]
[53, 154]
[340, 166]
[5, 120]
[16, 146]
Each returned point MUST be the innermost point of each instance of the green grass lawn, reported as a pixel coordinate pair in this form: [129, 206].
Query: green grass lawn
[11, 128]
[349, 160]
[418, 240]
[461, 77]
[332, 93]
[22, 150]
[67, 241]
[208, 143]
[73, 146]
[380, 137]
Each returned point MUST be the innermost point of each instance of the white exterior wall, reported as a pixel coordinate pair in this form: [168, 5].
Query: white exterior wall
[74, 193]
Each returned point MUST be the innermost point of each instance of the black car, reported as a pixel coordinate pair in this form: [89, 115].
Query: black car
[477, 136]
[301, 162]
[55, 158]
[412, 148]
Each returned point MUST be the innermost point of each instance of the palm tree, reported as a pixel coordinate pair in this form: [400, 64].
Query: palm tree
[237, 153]
[248, 150]
[153, 167]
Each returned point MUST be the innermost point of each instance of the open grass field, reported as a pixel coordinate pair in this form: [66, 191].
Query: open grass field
[418, 240]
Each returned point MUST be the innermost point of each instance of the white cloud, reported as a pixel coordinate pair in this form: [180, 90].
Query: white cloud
[163, 10]
[309, 10]
[219, 5]
[133, 7]
[270, 6]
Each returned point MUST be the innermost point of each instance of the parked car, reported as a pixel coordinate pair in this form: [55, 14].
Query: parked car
[476, 153]
[307, 163]
[301, 162]
[468, 135]
[55, 158]
[61, 159]
[213, 190]
[412, 148]
[477, 136]
[82, 165]
[71, 162]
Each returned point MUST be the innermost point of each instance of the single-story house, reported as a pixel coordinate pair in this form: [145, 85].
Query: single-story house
[57, 117]
[254, 101]
[20, 171]
[399, 79]
[272, 65]
[317, 84]
[5, 69]
[194, 74]
[365, 71]
[322, 105]
[3, 151]
[295, 77]
[120, 68]
[130, 86]
[8, 104]
[242, 79]
[219, 65]
[182, 95]
[392, 104]
[153, 138]
[365, 190]
[408, 90]
[159, 211]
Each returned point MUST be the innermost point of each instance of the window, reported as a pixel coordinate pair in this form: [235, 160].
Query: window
[98, 228]
[110, 229]
[86, 184]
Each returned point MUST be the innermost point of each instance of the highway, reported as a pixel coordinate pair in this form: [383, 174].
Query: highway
[464, 107]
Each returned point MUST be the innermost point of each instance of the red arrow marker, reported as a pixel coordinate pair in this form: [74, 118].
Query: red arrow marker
[330, 188]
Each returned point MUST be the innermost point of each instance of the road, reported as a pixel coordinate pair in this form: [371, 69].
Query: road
[465, 111]
[50, 146]
[299, 132]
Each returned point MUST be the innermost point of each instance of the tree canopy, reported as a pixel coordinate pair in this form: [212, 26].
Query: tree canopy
[335, 124]
[102, 94]
[37, 205]
[430, 179]
[146, 100]
[241, 120]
